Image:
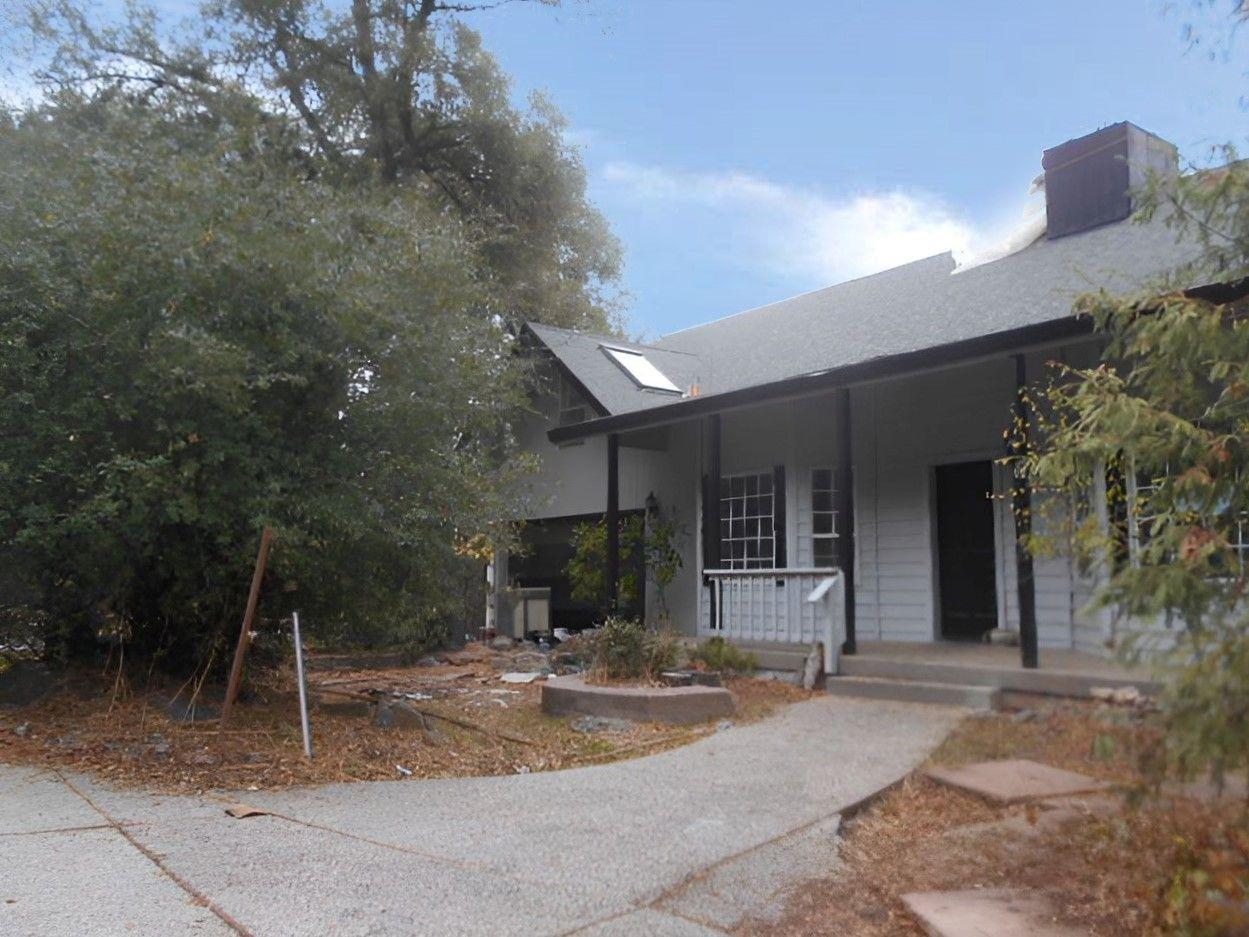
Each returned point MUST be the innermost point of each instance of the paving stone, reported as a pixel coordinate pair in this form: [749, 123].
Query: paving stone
[986, 912]
[1016, 780]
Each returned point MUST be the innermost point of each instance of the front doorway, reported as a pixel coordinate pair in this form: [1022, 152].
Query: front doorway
[965, 550]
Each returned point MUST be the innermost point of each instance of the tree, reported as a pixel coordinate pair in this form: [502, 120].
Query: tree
[1161, 426]
[397, 90]
[198, 337]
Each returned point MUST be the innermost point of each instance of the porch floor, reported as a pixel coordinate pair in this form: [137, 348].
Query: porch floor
[1061, 672]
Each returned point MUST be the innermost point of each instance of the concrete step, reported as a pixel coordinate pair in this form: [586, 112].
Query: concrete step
[776, 655]
[1048, 682]
[915, 691]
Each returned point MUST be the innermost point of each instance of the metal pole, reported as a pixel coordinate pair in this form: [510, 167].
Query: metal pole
[303, 691]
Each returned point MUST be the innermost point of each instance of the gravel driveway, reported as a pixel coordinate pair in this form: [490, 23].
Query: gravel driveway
[680, 843]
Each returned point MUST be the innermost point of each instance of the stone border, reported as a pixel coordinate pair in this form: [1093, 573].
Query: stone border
[679, 705]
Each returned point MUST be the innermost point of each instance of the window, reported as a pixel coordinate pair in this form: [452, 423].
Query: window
[823, 518]
[638, 366]
[747, 522]
[572, 408]
[1141, 486]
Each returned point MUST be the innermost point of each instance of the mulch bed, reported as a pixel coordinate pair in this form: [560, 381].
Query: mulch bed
[1164, 864]
[125, 735]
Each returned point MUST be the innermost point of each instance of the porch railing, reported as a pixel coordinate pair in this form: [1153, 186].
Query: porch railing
[800, 606]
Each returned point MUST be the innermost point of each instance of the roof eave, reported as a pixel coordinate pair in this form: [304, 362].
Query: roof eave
[805, 384]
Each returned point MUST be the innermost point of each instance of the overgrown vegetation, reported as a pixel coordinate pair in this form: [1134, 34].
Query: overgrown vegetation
[647, 546]
[1160, 430]
[266, 269]
[625, 649]
[719, 654]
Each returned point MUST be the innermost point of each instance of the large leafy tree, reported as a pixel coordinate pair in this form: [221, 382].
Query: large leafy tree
[397, 90]
[265, 268]
[197, 338]
[1158, 433]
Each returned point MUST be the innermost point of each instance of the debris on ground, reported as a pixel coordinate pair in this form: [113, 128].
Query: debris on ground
[516, 677]
[243, 811]
[594, 724]
[451, 718]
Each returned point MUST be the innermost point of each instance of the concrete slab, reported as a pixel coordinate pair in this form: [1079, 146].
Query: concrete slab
[92, 882]
[541, 853]
[35, 799]
[650, 922]
[1015, 780]
[988, 912]
[756, 883]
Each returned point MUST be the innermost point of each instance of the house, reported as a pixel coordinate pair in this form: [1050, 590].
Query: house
[856, 429]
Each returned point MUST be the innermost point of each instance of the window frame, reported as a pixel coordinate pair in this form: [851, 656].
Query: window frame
[832, 536]
[728, 516]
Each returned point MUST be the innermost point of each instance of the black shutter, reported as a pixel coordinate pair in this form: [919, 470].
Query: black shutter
[778, 515]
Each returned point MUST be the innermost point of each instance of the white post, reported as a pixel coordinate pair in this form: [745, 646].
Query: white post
[303, 690]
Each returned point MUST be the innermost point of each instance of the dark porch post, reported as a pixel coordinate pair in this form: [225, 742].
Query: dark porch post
[1021, 502]
[711, 507]
[613, 522]
[845, 511]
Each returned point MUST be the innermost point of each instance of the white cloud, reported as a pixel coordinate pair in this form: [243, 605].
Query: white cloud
[798, 233]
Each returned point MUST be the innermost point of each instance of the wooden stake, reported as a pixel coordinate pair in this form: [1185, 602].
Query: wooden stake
[245, 633]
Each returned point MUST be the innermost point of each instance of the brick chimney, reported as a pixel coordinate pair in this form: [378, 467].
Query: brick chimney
[1089, 180]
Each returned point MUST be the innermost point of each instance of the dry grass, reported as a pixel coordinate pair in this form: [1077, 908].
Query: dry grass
[132, 741]
[1154, 865]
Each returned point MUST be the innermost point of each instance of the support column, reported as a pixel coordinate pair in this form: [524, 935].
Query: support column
[613, 523]
[845, 511]
[711, 507]
[1021, 502]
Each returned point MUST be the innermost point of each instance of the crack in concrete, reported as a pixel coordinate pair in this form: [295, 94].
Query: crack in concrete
[200, 898]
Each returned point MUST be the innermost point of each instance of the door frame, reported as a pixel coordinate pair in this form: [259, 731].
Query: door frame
[1000, 535]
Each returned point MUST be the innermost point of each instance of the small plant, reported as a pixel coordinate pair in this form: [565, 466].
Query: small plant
[647, 547]
[625, 649]
[718, 654]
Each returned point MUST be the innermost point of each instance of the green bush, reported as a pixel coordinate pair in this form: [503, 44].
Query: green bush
[718, 654]
[625, 649]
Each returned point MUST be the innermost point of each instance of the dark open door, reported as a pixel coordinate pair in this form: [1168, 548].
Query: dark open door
[965, 549]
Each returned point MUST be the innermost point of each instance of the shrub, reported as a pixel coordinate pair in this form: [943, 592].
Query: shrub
[625, 649]
[718, 654]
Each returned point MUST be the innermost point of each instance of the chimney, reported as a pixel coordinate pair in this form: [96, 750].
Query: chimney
[1089, 180]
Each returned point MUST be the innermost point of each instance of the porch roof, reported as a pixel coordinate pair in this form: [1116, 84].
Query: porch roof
[915, 316]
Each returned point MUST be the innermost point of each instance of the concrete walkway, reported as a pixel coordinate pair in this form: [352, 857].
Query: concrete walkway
[635, 847]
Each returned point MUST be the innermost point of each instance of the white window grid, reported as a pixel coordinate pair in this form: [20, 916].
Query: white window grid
[1140, 518]
[823, 517]
[1140, 487]
[747, 521]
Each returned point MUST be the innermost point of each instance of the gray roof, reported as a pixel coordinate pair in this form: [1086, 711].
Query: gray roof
[582, 354]
[909, 308]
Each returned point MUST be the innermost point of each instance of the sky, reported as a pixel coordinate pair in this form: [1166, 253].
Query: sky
[746, 151]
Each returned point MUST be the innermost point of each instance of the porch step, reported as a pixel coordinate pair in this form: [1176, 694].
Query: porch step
[915, 691]
[1011, 679]
[776, 655]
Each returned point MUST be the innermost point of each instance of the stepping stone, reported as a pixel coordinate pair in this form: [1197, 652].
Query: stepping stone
[986, 912]
[1015, 781]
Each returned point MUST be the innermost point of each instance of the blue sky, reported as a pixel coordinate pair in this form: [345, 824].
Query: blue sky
[745, 151]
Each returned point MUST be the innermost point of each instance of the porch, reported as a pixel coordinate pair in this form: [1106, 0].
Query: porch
[875, 513]
[895, 665]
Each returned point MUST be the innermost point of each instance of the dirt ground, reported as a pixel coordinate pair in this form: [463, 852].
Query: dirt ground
[470, 723]
[1139, 864]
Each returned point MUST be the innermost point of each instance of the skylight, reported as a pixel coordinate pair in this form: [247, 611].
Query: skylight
[637, 366]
